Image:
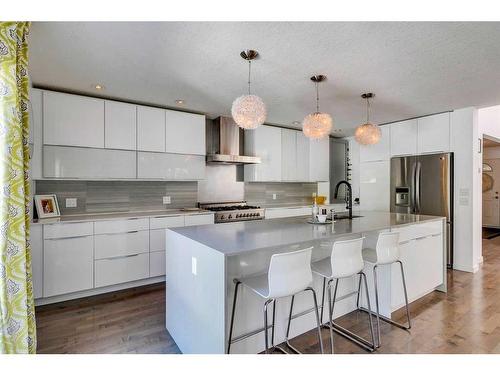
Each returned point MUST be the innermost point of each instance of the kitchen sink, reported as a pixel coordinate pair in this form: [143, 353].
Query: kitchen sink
[344, 217]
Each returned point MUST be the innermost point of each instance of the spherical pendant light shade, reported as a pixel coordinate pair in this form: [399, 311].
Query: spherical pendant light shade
[249, 111]
[317, 125]
[367, 134]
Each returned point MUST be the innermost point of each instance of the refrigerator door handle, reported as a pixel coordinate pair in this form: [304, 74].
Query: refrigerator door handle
[413, 188]
[417, 187]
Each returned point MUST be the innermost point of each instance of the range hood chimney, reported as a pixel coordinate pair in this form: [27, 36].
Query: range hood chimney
[224, 142]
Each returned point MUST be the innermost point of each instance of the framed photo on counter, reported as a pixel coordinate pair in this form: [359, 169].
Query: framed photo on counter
[46, 206]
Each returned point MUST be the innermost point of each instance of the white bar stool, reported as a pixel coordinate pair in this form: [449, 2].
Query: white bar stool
[345, 261]
[289, 274]
[386, 252]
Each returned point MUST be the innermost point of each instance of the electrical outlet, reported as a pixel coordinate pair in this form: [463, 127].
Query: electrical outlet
[274, 196]
[70, 202]
[166, 200]
[194, 266]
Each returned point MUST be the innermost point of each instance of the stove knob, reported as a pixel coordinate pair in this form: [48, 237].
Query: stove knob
[238, 215]
[229, 217]
[222, 217]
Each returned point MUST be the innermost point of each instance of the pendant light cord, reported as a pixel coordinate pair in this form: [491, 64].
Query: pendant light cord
[249, 71]
[317, 97]
[367, 110]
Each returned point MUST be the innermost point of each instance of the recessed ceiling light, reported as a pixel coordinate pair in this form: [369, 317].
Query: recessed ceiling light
[99, 87]
[180, 101]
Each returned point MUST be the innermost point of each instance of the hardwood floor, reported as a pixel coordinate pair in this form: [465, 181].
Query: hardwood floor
[465, 320]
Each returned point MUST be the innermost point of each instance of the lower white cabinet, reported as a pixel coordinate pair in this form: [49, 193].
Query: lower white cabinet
[121, 244]
[90, 163]
[36, 242]
[156, 165]
[157, 264]
[68, 265]
[199, 219]
[121, 270]
[274, 213]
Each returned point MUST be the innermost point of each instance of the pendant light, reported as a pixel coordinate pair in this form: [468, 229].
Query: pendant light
[317, 125]
[367, 133]
[249, 111]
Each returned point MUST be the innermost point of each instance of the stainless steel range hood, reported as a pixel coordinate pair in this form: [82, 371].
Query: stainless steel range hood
[224, 142]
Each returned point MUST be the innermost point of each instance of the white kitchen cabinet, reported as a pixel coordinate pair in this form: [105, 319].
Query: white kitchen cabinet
[150, 129]
[319, 160]
[288, 155]
[68, 265]
[434, 133]
[375, 186]
[121, 244]
[201, 219]
[36, 241]
[121, 270]
[185, 133]
[35, 133]
[265, 142]
[274, 213]
[303, 167]
[120, 125]
[157, 264]
[162, 222]
[72, 120]
[404, 136]
[89, 163]
[64, 230]
[121, 226]
[379, 151]
[152, 165]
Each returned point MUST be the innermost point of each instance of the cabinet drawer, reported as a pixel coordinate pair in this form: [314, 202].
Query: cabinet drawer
[121, 270]
[157, 240]
[157, 264]
[287, 212]
[198, 219]
[419, 230]
[121, 226]
[120, 244]
[64, 230]
[166, 222]
[67, 265]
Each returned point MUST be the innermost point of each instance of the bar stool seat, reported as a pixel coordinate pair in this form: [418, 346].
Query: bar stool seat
[386, 253]
[289, 274]
[344, 262]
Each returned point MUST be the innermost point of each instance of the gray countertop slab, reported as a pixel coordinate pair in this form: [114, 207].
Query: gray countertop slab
[239, 237]
[120, 215]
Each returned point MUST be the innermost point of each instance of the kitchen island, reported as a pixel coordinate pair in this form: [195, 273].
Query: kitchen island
[202, 262]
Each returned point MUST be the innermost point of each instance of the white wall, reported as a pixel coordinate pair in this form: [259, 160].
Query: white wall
[465, 146]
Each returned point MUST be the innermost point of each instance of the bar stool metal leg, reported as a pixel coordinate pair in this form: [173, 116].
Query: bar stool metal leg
[318, 322]
[362, 275]
[266, 336]
[359, 292]
[406, 294]
[330, 313]
[323, 299]
[377, 305]
[236, 287]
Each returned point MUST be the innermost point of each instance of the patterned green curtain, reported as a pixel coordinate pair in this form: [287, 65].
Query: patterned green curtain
[17, 311]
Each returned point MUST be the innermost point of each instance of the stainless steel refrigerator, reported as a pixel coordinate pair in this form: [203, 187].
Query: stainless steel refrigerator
[424, 185]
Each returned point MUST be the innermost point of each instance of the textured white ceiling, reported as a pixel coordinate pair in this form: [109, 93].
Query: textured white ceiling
[413, 68]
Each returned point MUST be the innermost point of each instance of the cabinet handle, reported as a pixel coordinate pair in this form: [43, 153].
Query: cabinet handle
[120, 257]
[405, 242]
[68, 238]
[114, 234]
[436, 235]
[420, 238]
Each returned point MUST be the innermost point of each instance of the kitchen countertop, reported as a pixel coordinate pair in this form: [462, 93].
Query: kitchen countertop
[118, 215]
[240, 237]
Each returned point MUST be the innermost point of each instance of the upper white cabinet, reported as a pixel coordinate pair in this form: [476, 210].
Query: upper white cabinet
[404, 137]
[319, 160]
[434, 133]
[303, 145]
[120, 125]
[378, 151]
[374, 186]
[265, 141]
[150, 129]
[90, 163]
[156, 165]
[185, 133]
[72, 120]
[288, 155]
[35, 133]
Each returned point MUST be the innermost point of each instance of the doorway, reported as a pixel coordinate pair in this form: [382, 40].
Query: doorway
[491, 188]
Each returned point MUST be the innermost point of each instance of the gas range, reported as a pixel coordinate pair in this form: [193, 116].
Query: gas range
[233, 211]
